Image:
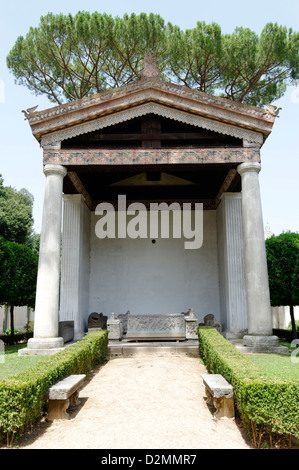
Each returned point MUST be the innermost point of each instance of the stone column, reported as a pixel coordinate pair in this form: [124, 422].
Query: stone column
[255, 263]
[256, 273]
[231, 270]
[46, 340]
[74, 295]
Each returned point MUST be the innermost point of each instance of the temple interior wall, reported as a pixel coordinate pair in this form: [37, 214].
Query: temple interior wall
[154, 278]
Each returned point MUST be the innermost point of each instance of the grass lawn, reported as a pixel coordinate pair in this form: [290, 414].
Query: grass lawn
[14, 364]
[273, 365]
[277, 365]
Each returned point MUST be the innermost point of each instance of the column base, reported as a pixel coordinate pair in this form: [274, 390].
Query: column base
[42, 347]
[263, 344]
[79, 335]
[231, 335]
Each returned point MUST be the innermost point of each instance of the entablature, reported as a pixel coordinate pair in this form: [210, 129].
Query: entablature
[77, 157]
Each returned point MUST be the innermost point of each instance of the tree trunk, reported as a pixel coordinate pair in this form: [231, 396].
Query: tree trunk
[5, 316]
[294, 331]
[12, 326]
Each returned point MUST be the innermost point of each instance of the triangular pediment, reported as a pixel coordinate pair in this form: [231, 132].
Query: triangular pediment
[150, 131]
[150, 96]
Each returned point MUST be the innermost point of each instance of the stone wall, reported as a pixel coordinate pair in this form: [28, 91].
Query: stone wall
[154, 278]
[21, 317]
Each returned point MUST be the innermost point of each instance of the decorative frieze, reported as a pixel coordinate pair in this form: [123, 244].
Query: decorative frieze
[171, 326]
[151, 156]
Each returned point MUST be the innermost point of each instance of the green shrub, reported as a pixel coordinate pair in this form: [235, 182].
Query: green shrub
[23, 398]
[286, 335]
[296, 323]
[266, 405]
[8, 331]
[29, 327]
[18, 337]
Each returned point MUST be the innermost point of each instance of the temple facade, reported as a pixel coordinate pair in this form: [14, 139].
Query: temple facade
[116, 160]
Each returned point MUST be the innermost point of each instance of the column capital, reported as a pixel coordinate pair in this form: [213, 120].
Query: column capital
[229, 195]
[52, 169]
[249, 166]
[74, 198]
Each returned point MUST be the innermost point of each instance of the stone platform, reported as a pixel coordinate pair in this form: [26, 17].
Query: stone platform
[129, 348]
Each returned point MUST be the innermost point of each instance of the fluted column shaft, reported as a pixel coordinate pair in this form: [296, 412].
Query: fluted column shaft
[231, 270]
[74, 296]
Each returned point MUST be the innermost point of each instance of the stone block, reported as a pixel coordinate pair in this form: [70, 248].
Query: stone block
[191, 325]
[115, 328]
[264, 344]
[124, 319]
[42, 346]
[66, 330]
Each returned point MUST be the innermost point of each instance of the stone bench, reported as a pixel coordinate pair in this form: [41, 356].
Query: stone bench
[220, 394]
[64, 394]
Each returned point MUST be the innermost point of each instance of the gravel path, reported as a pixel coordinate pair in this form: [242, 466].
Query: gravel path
[141, 402]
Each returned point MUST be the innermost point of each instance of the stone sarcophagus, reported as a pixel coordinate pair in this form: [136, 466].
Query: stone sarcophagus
[156, 327]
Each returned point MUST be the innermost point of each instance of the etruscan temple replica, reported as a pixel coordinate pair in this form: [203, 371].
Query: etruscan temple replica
[152, 142]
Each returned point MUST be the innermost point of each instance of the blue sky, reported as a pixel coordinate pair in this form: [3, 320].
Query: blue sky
[21, 155]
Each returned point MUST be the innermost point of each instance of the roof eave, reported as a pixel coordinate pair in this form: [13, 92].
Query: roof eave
[156, 91]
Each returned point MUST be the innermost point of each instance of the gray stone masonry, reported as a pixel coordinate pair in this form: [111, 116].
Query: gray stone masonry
[63, 394]
[66, 387]
[220, 394]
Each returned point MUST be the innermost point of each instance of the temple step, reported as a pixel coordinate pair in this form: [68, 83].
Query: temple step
[158, 348]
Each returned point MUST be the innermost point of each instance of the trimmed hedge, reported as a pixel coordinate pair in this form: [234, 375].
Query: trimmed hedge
[24, 397]
[265, 404]
[18, 337]
[287, 335]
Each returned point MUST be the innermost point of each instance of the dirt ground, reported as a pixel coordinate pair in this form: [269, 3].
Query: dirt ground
[141, 402]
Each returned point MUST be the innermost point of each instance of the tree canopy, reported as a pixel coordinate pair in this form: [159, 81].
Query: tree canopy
[19, 247]
[18, 273]
[283, 270]
[16, 219]
[69, 57]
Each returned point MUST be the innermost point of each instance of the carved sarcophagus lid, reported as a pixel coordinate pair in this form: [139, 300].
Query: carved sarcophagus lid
[157, 327]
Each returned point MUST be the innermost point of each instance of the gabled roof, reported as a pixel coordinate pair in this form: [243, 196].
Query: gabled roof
[148, 95]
